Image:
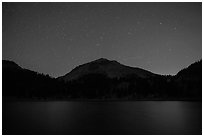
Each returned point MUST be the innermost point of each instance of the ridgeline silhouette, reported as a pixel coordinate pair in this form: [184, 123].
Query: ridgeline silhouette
[102, 79]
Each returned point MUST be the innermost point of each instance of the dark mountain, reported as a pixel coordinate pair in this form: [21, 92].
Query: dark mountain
[103, 79]
[112, 69]
[189, 80]
[192, 72]
[20, 82]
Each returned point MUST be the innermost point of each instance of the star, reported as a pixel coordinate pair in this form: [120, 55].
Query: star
[97, 44]
[117, 17]
[64, 36]
[87, 34]
[39, 26]
[101, 37]
[61, 12]
[129, 33]
[70, 39]
[85, 19]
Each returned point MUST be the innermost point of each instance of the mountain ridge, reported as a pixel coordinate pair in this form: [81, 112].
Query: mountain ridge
[24, 83]
[111, 68]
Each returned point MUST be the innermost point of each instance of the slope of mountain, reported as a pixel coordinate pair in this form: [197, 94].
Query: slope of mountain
[17, 81]
[111, 69]
[192, 72]
[10, 65]
[189, 80]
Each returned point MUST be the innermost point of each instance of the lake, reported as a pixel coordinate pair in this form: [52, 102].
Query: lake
[119, 118]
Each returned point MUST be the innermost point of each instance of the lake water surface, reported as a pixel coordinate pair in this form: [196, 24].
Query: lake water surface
[133, 117]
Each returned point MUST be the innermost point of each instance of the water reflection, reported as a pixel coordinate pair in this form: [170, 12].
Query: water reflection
[173, 117]
[140, 117]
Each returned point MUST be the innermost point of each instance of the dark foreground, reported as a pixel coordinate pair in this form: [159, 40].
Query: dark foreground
[102, 118]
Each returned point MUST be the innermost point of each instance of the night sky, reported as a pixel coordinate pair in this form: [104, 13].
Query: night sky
[54, 38]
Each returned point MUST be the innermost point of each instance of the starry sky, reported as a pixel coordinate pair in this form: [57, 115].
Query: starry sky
[54, 38]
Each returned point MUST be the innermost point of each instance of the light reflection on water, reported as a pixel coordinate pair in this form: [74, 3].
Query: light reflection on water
[139, 117]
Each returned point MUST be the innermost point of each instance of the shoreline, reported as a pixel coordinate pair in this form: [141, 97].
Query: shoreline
[16, 99]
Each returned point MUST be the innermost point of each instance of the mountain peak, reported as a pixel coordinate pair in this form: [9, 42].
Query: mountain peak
[101, 60]
[110, 68]
[104, 60]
